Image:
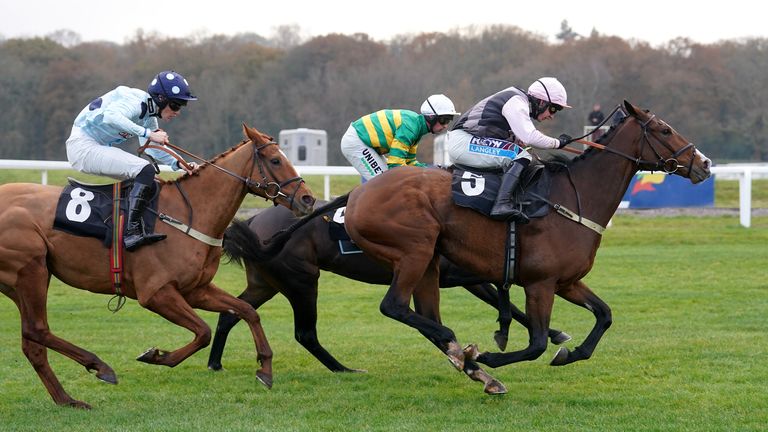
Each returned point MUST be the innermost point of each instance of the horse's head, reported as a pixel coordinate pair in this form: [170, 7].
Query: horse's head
[277, 178]
[663, 149]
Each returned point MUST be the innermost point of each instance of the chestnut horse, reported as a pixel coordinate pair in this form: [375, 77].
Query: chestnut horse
[295, 273]
[406, 218]
[169, 278]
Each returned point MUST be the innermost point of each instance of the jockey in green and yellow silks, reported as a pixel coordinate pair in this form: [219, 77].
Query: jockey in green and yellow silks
[390, 137]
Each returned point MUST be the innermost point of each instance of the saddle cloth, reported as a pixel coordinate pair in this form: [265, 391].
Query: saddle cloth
[338, 233]
[86, 210]
[477, 189]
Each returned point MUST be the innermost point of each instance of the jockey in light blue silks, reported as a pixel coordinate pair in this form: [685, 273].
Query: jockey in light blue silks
[112, 119]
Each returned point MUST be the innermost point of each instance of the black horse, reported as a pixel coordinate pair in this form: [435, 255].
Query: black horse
[295, 271]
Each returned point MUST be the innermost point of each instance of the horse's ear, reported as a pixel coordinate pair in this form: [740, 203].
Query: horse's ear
[253, 134]
[630, 109]
[247, 131]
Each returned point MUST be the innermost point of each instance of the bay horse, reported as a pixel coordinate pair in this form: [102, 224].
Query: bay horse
[169, 278]
[295, 273]
[405, 218]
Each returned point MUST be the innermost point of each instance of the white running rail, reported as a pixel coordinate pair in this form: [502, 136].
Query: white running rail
[743, 172]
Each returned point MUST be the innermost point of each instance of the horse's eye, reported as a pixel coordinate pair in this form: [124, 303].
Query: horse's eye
[666, 131]
[275, 161]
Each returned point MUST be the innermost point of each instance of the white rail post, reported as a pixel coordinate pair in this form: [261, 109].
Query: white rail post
[44, 178]
[745, 197]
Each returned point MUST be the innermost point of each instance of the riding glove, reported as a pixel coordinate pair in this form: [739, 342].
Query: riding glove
[564, 140]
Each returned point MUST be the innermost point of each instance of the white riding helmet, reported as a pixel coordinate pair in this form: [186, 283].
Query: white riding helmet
[438, 105]
[550, 90]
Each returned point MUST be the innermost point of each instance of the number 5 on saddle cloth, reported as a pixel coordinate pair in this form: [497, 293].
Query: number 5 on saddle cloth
[476, 189]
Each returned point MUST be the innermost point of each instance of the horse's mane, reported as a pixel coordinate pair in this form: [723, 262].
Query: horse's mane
[204, 166]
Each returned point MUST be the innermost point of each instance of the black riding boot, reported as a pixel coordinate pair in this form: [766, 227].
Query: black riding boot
[504, 208]
[135, 236]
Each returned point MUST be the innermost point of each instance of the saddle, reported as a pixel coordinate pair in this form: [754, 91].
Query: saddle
[477, 188]
[85, 210]
[338, 233]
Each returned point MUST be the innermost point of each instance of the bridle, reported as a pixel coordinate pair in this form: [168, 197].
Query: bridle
[668, 165]
[271, 189]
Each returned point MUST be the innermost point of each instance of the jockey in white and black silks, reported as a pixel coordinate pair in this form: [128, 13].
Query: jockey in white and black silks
[117, 116]
[493, 133]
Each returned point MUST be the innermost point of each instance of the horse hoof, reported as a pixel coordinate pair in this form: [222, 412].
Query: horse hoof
[471, 352]
[108, 377]
[495, 387]
[264, 378]
[105, 374]
[77, 404]
[455, 355]
[347, 370]
[561, 357]
[215, 367]
[560, 338]
[148, 355]
[501, 340]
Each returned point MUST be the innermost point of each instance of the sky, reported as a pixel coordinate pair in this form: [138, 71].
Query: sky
[652, 21]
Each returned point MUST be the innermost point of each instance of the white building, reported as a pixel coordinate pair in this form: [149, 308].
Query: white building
[305, 146]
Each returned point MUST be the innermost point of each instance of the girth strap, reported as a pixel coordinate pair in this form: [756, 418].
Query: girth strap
[594, 226]
[211, 241]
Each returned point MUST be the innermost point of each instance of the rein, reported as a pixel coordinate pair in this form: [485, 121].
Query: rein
[271, 189]
[668, 165]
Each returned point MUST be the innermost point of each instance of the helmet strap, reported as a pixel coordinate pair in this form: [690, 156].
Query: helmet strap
[431, 119]
[155, 105]
[542, 105]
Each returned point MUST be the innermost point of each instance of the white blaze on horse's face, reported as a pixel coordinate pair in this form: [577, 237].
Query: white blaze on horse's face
[707, 161]
[281, 152]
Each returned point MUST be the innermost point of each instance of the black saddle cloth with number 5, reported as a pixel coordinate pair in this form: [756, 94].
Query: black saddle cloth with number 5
[477, 189]
[86, 210]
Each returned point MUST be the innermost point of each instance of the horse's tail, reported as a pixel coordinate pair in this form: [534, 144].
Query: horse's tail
[242, 244]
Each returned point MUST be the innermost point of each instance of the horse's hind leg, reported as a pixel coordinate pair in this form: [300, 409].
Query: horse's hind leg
[214, 299]
[256, 294]
[426, 304]
[578, 293]
[38, 357]
[30, 296]
[396, 304]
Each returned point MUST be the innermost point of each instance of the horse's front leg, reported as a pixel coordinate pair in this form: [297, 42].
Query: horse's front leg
[212, 298]
[256, 294]
[578, 293]
[539, 298]
[498, 298]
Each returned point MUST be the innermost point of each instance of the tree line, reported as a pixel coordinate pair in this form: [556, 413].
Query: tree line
[714, 94]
